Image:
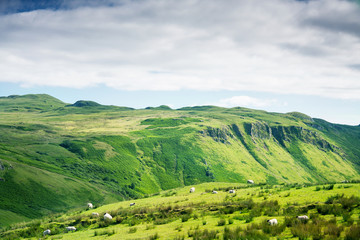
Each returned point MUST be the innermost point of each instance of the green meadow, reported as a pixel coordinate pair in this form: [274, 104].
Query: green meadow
[333, 211]
[55, 156]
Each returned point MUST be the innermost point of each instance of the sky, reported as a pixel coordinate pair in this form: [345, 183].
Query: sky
[274, 55]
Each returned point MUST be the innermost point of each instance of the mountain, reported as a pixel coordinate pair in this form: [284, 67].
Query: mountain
[46, 144]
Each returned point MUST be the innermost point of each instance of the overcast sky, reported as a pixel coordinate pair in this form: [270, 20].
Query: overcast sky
[276, 55]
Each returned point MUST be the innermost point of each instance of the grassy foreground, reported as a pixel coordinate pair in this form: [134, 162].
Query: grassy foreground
[333, 210]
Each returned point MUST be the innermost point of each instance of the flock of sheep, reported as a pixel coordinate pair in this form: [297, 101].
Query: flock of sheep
[108, 217]
[270, 221]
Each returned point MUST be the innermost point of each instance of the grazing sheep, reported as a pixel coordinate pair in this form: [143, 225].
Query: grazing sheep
[192, 190]
[132, 204]
[250, 181]
[47, 232]
[214, 192]
[302, 218]
[107, 217]
[70, 228]
[95, 214]
[90, 205]
[232, 191]
[272, 221]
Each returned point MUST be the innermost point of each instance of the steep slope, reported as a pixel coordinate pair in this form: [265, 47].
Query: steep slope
[134, 153]
[28, 192]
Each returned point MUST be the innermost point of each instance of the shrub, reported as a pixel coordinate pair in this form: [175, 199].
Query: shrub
[305, 231]
[333, 230]
[105, 232]
[353, 233]
[330, 187]
[231, 220]
[132, 230]
[221, 222]
[185, 218]
[203, 235]
[155, 236]
[149, 227]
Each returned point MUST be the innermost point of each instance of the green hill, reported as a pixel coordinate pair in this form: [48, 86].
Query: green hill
[332, 211]
[133, 153]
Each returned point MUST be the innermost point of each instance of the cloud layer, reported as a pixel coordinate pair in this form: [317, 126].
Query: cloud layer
[278, 46]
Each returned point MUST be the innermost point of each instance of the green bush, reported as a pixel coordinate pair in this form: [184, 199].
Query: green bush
[333, 230]
[221, 222]
[353, 232]
[203, 234]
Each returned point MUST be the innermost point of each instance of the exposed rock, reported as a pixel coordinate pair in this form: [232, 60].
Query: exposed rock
[258, 130]
[219, 135]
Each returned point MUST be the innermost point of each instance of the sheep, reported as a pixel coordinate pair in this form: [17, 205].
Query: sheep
[231, 191]
[250, 181]
[302, 218]
[192, 190]
[132, 204]
[47, 232]
[70, 228]
[95, 214]
[214, 192]
[107, 217]
[90, 205]
[272, 221]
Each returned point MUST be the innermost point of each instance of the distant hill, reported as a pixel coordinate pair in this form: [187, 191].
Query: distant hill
[131, 153]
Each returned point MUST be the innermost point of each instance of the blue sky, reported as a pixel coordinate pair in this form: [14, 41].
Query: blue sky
[276, 55]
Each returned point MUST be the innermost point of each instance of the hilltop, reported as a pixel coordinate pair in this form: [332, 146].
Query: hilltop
[130, 153]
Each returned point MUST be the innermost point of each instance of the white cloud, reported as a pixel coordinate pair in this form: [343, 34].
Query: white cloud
[277, 46]
[246, 101]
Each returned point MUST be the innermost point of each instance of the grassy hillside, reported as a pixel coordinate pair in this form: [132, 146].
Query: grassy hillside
[134, 153]
[333, 212]
[29, 192]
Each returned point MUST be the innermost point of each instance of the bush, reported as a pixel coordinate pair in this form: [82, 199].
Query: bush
[155, 236]
[333, 230]
[203, 235]
[330, 187]
[353, 233]
[132, 230]
[237, 234]
[221, 222]
[105, 232]
[185, 218]
[305, 231]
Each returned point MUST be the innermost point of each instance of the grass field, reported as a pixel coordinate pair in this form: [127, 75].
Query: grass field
[64, 153]
[333, 209]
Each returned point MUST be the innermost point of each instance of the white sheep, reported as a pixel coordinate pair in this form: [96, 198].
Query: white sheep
[90, 205]
[47, 232]
[250, 181]
[192, 190]
[273, 221]
[132, 204]
[71, 228]
[302, 218]
[232, 191]
[107, 217]
[95, 214]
